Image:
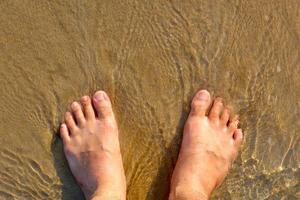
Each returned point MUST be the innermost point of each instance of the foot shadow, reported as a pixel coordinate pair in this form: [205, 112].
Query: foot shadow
[69, 188]
[160, 188]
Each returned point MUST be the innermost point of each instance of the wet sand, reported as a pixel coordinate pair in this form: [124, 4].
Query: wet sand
[151, 57]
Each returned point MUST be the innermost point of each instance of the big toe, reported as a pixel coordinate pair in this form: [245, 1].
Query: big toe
[200, 103]
[102, 104]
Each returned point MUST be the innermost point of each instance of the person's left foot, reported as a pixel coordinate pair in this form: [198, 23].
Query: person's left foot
[91, 146]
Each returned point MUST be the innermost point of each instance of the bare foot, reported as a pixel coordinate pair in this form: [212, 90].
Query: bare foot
[209, 147]
[91, 146]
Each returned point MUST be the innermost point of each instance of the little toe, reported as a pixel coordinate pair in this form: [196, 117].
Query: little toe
[216, 109]
[77, 111]
[69, 120]
[233, 125]
[238, 137]
[102, 105]
[225, 116]
[87, 107]
[64, 133]
[200, 103]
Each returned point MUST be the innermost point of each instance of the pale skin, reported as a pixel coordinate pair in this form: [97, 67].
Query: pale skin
[210, 144]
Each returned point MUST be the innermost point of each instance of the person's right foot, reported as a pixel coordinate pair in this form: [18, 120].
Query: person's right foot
[209, 147]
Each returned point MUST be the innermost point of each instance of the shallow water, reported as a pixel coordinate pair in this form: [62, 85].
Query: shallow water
[151, 57]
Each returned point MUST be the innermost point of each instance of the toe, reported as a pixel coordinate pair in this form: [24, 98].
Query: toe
[225, 116]
[238, 137]
[64, 133]
[216, 109]
[102, 105]
[69, 120]
[200, 103]
[233, 125]
[87, 107]
[78, 114]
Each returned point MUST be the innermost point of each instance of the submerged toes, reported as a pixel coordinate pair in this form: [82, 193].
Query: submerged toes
[102, 104]
[85, 110]
[238, 137]
[225, 116]
[233, 125]
[77, 111]
[87, 107]
[69, 120]
[200, 103]
[64, 133]
[216, 109]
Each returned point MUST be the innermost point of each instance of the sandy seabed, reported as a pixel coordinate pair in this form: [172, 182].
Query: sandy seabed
[151, 57]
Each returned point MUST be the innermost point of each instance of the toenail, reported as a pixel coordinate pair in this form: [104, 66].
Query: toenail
[69, 116]
[74, 105]
[202, 96]
[99, 96]
[84, 98]
[63, 126]
[219, 99]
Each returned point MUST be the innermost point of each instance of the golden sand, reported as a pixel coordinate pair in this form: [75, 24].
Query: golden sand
[151, 57]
